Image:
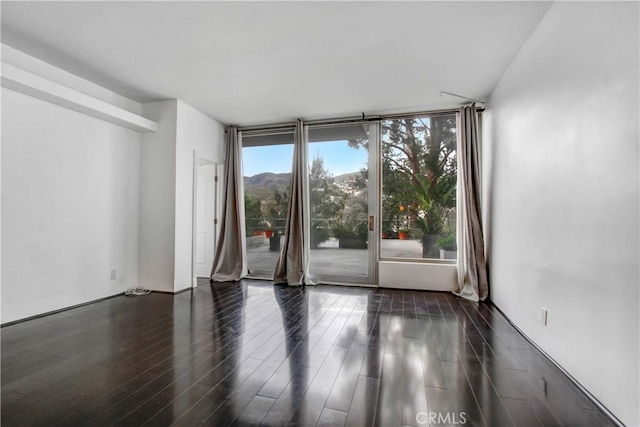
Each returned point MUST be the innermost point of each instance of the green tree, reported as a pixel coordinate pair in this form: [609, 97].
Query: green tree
[253, 214]
[325, 200]
[397, 187]
[276, 206]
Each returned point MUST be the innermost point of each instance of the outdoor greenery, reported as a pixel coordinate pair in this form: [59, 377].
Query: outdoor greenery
[276, 208]
[325, 201]
[448, 242]
[254, 220]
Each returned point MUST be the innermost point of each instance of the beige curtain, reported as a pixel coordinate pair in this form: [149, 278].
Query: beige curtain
[230, 260]
[472, 268]
[292, 267]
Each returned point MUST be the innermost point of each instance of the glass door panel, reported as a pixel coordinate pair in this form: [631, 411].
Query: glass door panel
[340, 204]
[266, 162]
[419, 179]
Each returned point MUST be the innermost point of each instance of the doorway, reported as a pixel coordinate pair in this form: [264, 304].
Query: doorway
[205, 215]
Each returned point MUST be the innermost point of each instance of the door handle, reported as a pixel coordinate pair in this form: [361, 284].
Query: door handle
[370, 222]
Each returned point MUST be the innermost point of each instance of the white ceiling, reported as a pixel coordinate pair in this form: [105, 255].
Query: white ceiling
[260, 62]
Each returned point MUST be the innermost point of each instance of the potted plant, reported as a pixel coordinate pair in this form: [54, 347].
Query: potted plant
[351, 234]
[274, 240]
[403, 233]
[448, 249]
[385, 233]
[431, 210]
[269, 230]
[319, 233]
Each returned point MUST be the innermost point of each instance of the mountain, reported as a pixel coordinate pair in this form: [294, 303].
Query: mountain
[268, 179]
[346, 177]
[262, 185]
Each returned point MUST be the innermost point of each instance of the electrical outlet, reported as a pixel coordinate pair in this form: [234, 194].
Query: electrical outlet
[113, 275]
[544, 316]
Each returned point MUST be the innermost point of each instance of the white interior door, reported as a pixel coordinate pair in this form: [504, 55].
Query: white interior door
[205, 219]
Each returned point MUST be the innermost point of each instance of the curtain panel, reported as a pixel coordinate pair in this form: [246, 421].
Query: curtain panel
[230, 259]
[292, 266]
[472, 268]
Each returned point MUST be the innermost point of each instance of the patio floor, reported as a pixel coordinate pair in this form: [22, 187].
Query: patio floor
[328, 258]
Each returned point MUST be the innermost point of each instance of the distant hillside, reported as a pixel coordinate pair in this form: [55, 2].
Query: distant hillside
[346, 177]
[268, 179]
[262, 185]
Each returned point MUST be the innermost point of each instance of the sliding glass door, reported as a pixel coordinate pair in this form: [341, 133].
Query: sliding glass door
[341, 202]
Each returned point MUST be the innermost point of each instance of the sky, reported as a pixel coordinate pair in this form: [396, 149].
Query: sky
[338, 157]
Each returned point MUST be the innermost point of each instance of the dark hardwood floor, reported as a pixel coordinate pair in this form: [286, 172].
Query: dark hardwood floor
[258, 354]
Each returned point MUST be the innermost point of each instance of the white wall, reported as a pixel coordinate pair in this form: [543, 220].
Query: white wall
[69, 207]
[199, 133]
[166, 191]
[81, 197]
[561, 141]
[158, 198]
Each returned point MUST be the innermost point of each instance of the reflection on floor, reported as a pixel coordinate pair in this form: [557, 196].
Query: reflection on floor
[251, 353]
